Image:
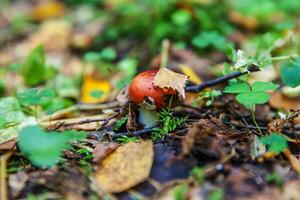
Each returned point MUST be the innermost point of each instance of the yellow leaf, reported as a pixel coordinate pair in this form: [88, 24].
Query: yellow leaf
[166, 78]
[91, 85]
[193, 77]
[47, 10]
[127, 166]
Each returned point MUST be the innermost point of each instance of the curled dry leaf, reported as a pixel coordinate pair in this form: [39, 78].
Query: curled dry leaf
[126, 167]
[166, 78]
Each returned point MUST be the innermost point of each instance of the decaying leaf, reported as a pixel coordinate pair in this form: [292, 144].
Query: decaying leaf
[103, 149]
[127, 166]
[166, 78]
[48, 9]
[93, 90]
[207, 138]
[278, 100]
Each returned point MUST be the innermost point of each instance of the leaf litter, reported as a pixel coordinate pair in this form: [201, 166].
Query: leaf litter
[64, 64]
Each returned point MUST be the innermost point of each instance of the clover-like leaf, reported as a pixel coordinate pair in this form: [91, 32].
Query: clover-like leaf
[42, 148]
[34, 97]
[236, 88]
[275, 142]
[259, 86]
[249, 96]
[252, 98]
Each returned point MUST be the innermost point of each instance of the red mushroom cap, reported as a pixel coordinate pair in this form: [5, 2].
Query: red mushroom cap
[142, 90]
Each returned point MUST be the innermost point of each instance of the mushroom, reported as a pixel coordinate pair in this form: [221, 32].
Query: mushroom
[150, 98]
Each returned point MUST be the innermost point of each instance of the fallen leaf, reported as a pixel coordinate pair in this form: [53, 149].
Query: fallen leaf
[166, 78]
[103, 149]
[126, 167]
[247, 22]
[279, 101]
[193, 77]
[53, 34]
[9, 145]
[13, 131]
[92, 85]
[48, 9]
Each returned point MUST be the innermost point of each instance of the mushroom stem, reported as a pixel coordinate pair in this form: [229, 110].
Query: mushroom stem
[148, 118]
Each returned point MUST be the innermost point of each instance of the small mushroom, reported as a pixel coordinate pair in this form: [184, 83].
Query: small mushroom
[149, 97]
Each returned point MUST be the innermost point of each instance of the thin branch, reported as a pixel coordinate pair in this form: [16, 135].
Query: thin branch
[198, 88]
[134, 133]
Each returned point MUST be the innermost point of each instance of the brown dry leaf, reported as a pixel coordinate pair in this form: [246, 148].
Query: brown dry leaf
[103, 149]
[166, 78]
[126, 167]
[247, 22]
[278, 100]
[9, 145]
[207, 137]
[53, 34]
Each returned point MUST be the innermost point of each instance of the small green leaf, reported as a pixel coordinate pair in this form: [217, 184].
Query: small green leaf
[210, 38]
[34, 69]
[92, 56]
[263, 86]
[181, 17]
[290, 73]
[275, 142]
[216, 194]
[108, 54]
[252, 98]
[235, 88]
[34, 97]
[42, 148]
[120, 123]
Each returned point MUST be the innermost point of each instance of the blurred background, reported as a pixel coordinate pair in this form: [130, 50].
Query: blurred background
[90, 44]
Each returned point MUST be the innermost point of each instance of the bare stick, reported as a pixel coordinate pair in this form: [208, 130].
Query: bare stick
[198, 88]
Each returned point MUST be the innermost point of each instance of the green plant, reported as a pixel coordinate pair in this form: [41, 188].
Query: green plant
[198, 174]
[85, 160]
[288, 73]
[120, 123]
[124, 139]
[216, 194]
[208, 97]
[169, 123]
[33, 97]
[275, 178]
[34, 68]
[275, 142]
[42, 148]
[252, 95]
[180, 192]
[211, 38]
